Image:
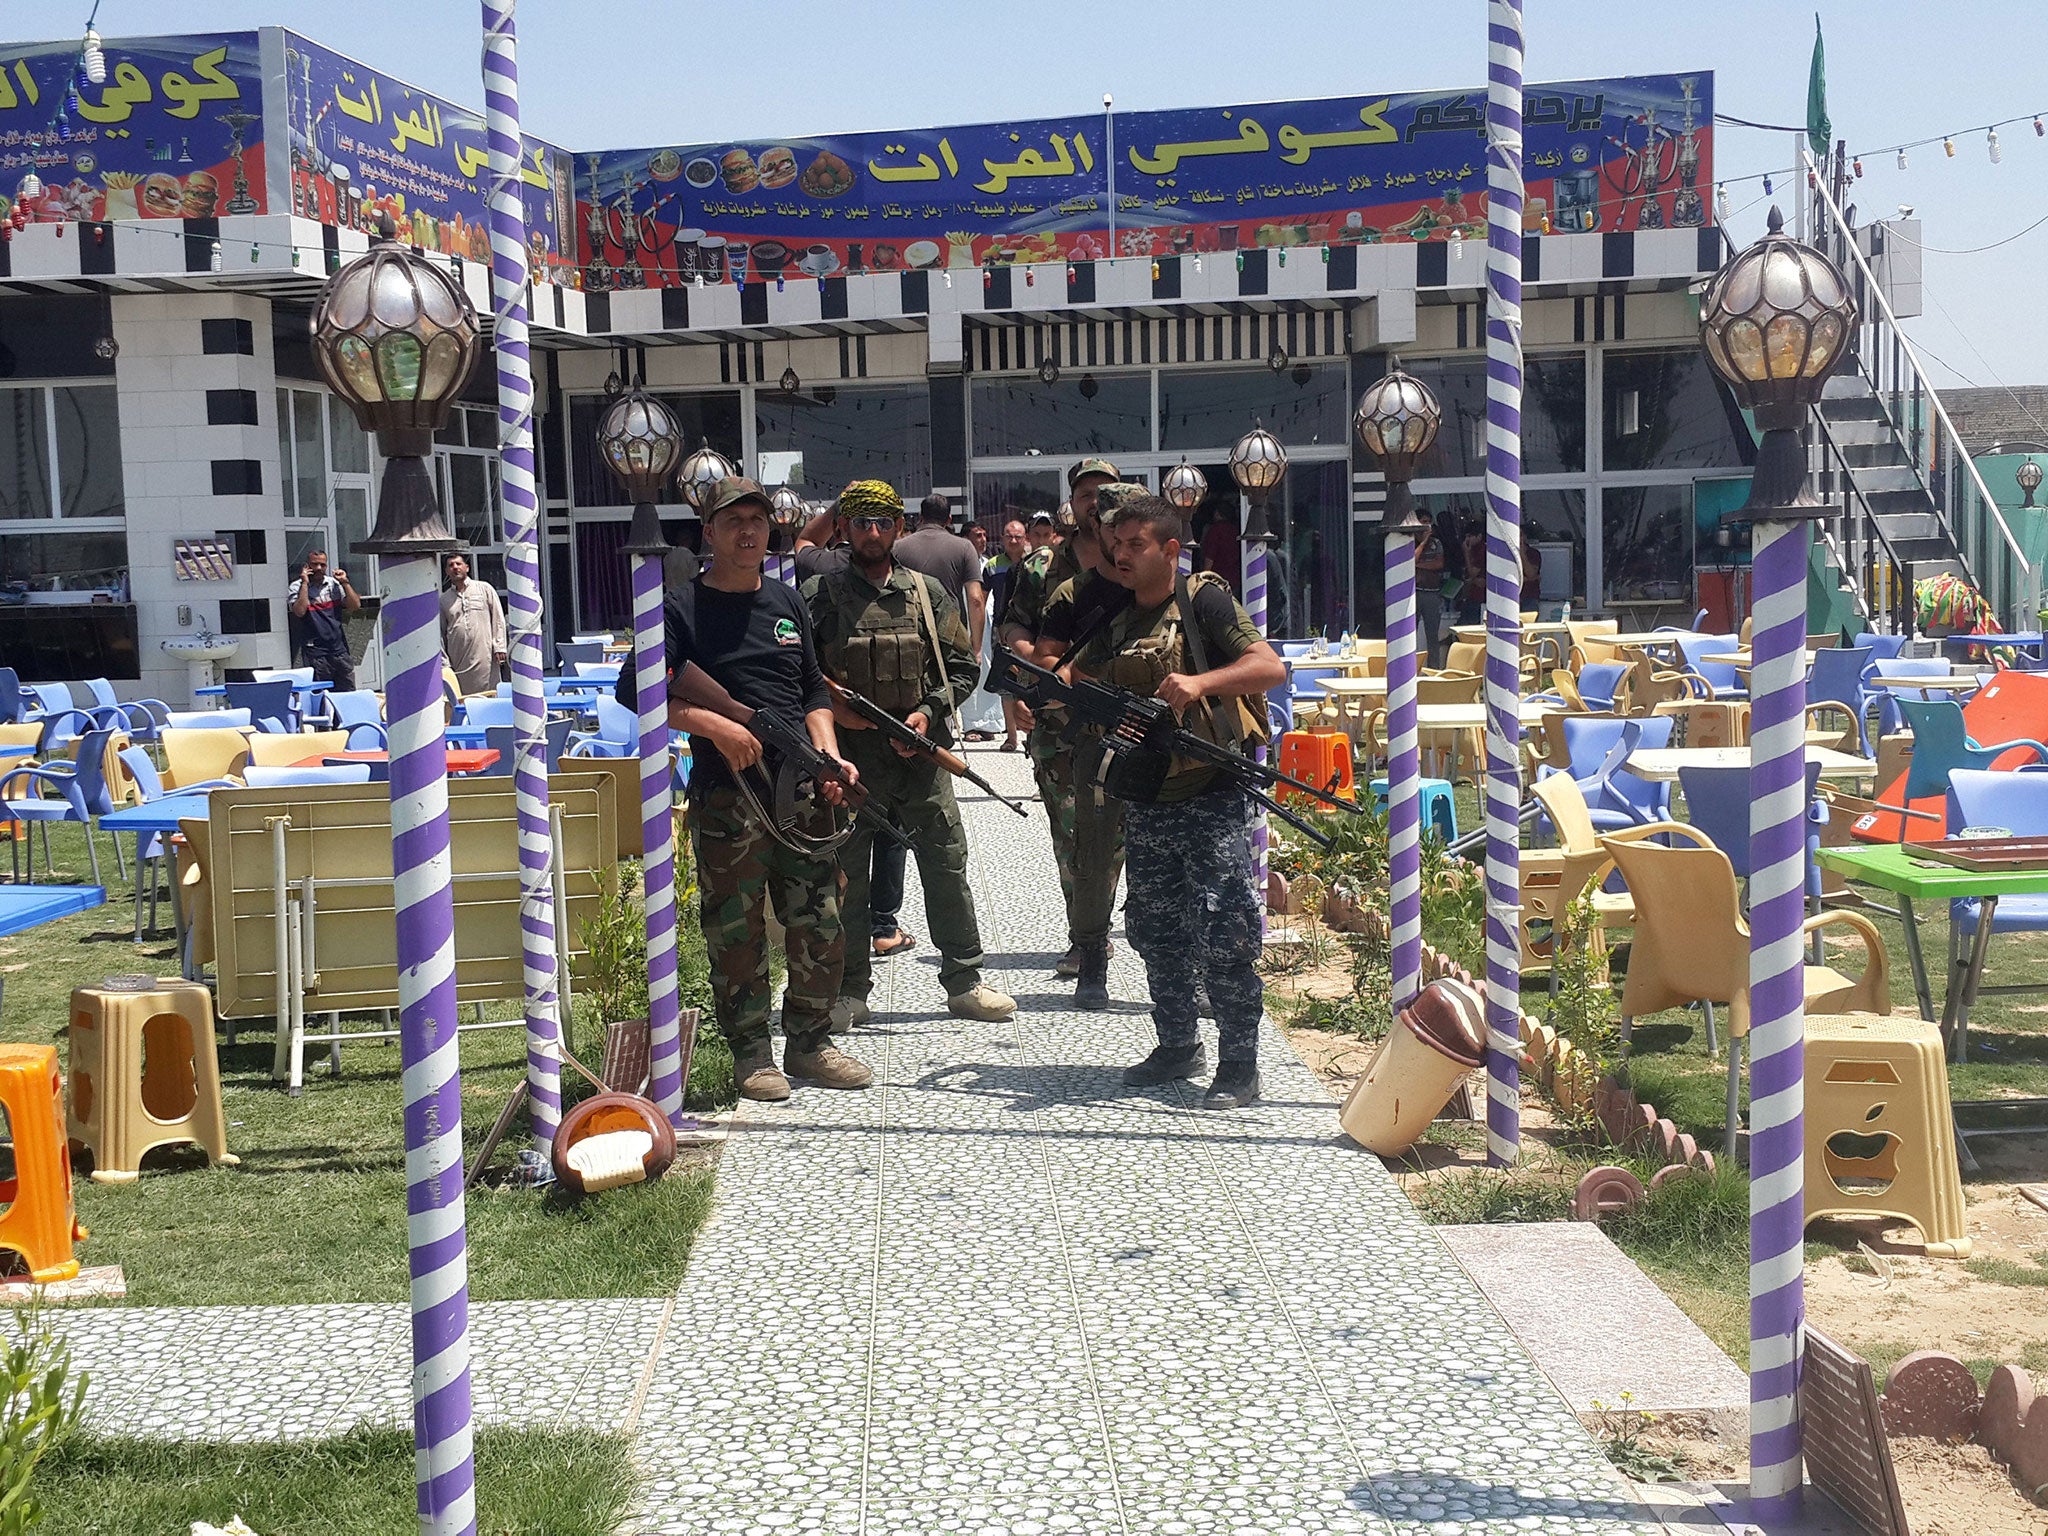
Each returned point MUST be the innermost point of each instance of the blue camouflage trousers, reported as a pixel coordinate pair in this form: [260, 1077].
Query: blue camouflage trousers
[1193, 916]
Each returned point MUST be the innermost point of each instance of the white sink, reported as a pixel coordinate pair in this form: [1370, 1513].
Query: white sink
[199, 653]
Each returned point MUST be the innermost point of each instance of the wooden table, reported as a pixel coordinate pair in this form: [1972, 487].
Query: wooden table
[1663, 763]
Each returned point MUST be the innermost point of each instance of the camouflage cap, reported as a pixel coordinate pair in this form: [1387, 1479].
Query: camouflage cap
[1109, 499]
[1091, 467]
[731, 491]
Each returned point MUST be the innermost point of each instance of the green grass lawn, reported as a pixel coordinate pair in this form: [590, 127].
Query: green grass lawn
[529, 1483]
[316, 1210]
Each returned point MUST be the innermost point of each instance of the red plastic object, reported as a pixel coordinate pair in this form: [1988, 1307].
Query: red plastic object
[2012, 706]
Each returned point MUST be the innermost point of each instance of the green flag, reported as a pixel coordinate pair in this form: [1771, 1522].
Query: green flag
[1820, 132]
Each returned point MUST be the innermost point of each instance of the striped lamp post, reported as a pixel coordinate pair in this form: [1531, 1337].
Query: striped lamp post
[1259, 465]
[639, 442]
[1503, 580]
[522, 575]
[399, 364]
[1397, 420]
[1775, 323]
[1185, 486]
[786, 518]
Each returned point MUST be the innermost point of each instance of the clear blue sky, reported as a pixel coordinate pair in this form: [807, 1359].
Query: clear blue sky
[599, 75]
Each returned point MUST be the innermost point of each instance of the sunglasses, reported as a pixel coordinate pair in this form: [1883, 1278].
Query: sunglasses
[871, 524]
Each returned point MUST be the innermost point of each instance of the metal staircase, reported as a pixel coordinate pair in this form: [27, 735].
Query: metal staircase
[1912, 502]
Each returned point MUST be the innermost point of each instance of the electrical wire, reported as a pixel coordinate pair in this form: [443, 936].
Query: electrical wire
[1888, 146]
[1993, 372]
[1973, 250]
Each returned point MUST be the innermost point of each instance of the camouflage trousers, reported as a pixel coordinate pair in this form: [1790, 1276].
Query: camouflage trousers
[740, 870]
[1193, 916]
[1087, 838]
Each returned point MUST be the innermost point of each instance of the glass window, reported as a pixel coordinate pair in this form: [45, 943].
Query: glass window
[469, 494]
[310, 448]
[284, 453]
[1647, 544]
[1308, 585]
[352, 527]
[847, 434]
[1553, 414]
[712, 418]
[348, 443]
[25, 454]
[64, 562]
[1082, 413]
[1556, 518]
[1000, 497]
[1460, 520]
[1214, 407]
[1665, 410]
[88, 452]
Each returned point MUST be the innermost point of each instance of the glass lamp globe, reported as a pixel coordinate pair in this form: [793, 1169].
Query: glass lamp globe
[787, 509]
[397, 338]
[1258, 463]
[700, 472]
[1397, 420]
[2029, 477]
[639, 442]
[1775, 323]
[1184, 486]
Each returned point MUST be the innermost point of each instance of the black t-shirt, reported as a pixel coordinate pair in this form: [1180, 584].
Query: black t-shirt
[757, 644]
[1082, 607]
[813, 561]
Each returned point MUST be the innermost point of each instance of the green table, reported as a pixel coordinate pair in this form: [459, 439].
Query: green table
[1896, 868]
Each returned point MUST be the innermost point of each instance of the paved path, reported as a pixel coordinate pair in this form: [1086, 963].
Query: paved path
[1000, 1293]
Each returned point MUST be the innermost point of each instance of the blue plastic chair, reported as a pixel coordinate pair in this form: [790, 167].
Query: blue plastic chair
[142, 718]
[486, 712]
[209, 719]
[1598, 681]
[2019, 803]
[569, 652]
[82, 793]
[151, 846]
[1597, 750]
[331, 773]
[1717, 801]
[617, 733]
[499, 739]
[12, 701]
[358, 710]
[1720, 676]
[1301, 688]
[1837, 677]
[1942, 745]
[1882, 647]
[272, 704]
[1888, 717]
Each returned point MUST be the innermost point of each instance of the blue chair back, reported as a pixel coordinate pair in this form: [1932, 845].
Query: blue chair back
[1597, 681]
[1888, 717]
[61, 731]
[209, 719]
[53, 698]
[616, 723]
[487, 712]
[499, 739]
[2016, 801]
[603, 671]
[568, 652]
[10, 696]
[259, 777]
[357, 710]
[270, 704]
[1837, 678]
[1597, 749]
[1942, 744]
[1882, 647]
[90, 772]
[143, 771]
[1717, 801]
[1719, 675]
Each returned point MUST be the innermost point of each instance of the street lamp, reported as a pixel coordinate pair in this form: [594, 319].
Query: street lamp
[2029, 477]
[1397, 420]
[786, 514]
[397, 338]
[1258, 463]
[1184, 486]
[701, 472]
[639, 441]
[1775, 322]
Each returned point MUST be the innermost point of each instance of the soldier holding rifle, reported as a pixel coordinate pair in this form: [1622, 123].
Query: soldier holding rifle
[894, 637]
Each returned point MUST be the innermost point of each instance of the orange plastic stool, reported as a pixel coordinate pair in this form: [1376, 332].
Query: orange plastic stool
[143, 1074]
[1322, 758]
[39, 1221]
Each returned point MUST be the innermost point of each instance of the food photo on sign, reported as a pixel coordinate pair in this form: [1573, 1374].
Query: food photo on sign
[1601, 155]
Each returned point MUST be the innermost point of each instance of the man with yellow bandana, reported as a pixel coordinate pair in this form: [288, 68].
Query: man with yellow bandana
[894, 636]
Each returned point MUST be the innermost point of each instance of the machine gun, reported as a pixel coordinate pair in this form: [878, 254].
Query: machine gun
[902, 731]
[798, 769]
[1142, 736]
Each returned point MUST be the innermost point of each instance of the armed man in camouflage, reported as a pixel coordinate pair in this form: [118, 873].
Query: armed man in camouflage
[1061, 595]
[754, 638]
[1193, 914]
[895, 637]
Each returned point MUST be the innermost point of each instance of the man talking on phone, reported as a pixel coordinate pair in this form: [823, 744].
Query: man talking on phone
[317, 602]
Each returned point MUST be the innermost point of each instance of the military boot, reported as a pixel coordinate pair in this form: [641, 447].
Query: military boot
[827, 1066]
[755, 1075]
[1092, 991]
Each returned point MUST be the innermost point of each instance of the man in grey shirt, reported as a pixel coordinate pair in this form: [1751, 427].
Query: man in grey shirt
[938, 552]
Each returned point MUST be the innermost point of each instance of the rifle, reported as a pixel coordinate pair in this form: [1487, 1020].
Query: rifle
[798, 765]
[916, 740]
[1134, 726]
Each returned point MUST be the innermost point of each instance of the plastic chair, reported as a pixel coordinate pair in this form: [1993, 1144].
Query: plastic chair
[272, 703]
[1942, 744]
[1599, 683]
[12, 701]
[81, 793]
[1836, 680]
[617, 733]
[486, 711]
[333, 773]
[149, 846]
[1888, 717]
[209, 720]
[359, 715]
[2019, 803]
[39, 1221]
[141, 718]
[199, 755]
[1437, 805]
[568, 652]
[1597, 750]
[1882, 647]
[1717, 802]
[1720, 676]
[1553, 878]
[499, 739]
[143, 1074]
[1691, 944]
[268, 751]
[1465, 656]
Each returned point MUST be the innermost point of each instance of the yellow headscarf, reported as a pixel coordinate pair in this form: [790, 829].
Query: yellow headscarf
[870, 498]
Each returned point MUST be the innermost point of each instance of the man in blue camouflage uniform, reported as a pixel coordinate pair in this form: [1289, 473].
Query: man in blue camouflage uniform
[1193, 913]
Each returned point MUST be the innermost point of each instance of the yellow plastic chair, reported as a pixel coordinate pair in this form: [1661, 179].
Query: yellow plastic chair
[1452, 688]
[268, 749]
[1468, 656]
[1692, 945]
[1553, 878]
[194, 754]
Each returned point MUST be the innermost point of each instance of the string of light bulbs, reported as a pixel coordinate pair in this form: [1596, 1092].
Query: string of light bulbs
[88, 67]
[1993, 146]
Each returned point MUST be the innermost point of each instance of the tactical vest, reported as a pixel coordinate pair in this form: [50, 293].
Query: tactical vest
[880, 649]
[1144, 660]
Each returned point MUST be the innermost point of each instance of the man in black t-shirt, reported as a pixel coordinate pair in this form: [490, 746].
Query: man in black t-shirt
[316, 602]
[754, 638]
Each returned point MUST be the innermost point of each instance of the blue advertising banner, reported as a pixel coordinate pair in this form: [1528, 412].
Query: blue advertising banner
[364, 143]
[173, 131]
[1630, 153]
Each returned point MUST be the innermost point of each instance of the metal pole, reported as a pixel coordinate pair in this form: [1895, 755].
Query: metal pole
[522, 574]
[1503, 578]
[1255, 609]
[437, 1241]
[1109, 170]
[1777, 1094]
[1404, 770]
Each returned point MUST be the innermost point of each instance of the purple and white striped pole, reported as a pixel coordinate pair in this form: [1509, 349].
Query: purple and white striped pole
[1255, 609]
[522, 575]
[1503, 580]
[1404, 774]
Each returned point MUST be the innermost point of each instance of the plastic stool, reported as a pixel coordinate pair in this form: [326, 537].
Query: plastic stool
[1880, 1137]
[39, 1222]
[1322, 758]
[1439, 805]
[143, 1074]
